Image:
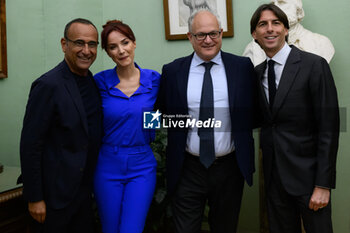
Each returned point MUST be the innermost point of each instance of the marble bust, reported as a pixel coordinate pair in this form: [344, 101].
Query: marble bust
[298, 36]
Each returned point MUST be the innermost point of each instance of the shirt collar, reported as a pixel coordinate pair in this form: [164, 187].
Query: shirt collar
[282, 55]
[196, 60]
[145, 82]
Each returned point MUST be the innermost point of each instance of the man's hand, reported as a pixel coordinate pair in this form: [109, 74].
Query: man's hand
[37, 210]
[319, 198]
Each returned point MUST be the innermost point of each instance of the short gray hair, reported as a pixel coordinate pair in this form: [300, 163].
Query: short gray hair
[190, 19]
[77, 20]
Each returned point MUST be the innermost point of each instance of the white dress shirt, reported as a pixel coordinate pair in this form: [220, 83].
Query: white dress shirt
[280, 59]
[222, 136]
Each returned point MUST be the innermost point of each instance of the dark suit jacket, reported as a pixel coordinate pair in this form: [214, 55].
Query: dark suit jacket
[54, 139]
[172, 99]
[301, 132]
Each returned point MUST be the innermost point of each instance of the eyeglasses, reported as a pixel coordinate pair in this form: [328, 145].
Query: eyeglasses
[202, 36]
[81, 43]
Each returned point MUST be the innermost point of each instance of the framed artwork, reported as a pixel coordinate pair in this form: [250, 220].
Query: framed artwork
[177, 12]
[3, 53]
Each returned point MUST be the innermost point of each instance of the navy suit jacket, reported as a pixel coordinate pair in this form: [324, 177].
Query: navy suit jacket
[301, 132]
[172, 99]
[54, 140]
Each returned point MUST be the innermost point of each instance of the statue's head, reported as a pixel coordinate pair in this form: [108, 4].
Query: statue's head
[292, 8]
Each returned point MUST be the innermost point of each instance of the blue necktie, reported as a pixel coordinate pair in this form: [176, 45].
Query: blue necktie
[271, 78]
[206, 135]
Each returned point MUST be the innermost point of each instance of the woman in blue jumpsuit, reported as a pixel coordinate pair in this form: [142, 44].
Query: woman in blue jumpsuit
[125, 175]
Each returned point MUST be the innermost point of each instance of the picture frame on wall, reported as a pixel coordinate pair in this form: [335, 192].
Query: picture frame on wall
[3, 47]
[177, 12]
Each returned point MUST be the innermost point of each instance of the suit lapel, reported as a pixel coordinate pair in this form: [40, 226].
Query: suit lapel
[182, 80]
[73, 90]
[288, 76]
[231, 73]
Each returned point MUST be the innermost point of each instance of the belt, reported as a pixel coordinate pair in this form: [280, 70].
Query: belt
[218, 159]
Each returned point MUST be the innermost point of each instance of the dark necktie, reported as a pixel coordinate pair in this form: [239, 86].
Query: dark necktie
[206, 135]
[271, 78]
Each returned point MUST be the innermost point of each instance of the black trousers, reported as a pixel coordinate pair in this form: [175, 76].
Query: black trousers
[76, 217]
[221, 185]
[286, 211]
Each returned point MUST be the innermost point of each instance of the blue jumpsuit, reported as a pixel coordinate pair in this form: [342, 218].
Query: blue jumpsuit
[125, 175]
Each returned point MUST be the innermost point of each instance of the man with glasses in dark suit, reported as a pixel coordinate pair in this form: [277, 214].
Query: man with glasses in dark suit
[211, 163]
[61, 137]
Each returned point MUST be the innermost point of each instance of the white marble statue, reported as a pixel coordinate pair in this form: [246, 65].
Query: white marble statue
[298, 36]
